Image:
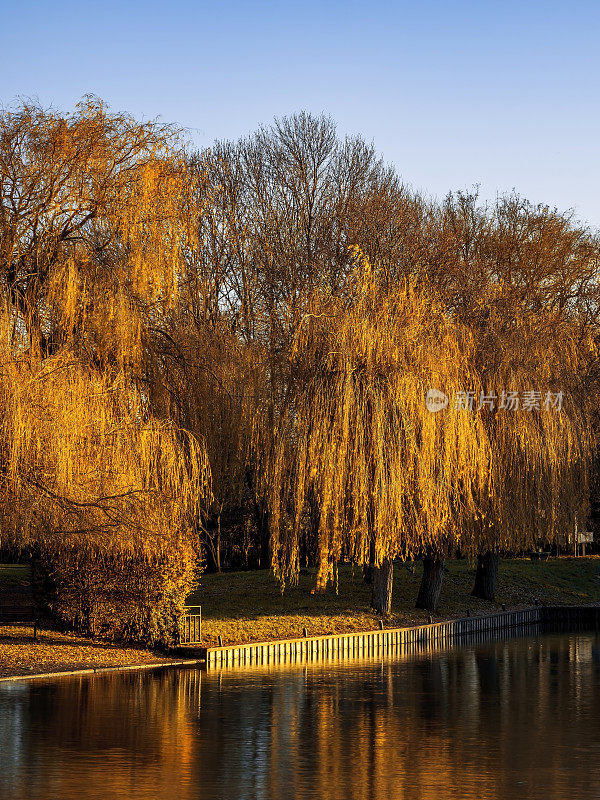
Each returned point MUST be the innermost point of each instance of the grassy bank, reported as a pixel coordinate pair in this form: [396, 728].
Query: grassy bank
[248, 606]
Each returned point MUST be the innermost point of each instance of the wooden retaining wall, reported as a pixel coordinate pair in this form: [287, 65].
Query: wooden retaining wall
[380, 642]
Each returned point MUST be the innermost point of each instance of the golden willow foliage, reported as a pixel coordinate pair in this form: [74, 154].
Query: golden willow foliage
[83, 461]
[153, 301]
[538, 488]
[108, 495]
[90, 231]
[524, 280]
[355, 435]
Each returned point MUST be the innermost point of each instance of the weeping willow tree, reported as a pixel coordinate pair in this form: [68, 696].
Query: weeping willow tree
[105, 494]
[103, 491]
[539, 488]
[524, 280]
[541, 439]
[355, 436]
[90, 229]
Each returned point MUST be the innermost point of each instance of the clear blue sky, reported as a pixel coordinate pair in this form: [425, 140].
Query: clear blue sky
[501, 94]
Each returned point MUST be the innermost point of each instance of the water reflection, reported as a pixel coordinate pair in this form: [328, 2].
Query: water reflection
[504, 720]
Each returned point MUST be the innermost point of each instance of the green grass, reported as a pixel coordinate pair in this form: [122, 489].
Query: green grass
[248, 606]
[13, 576]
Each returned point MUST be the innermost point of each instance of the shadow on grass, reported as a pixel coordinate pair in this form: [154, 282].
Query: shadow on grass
[48, 637]
[256, 594]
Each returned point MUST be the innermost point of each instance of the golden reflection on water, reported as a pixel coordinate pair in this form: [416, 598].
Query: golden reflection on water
[509, 719]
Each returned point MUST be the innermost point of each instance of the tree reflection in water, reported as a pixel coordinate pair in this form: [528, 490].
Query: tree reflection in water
[502, 720]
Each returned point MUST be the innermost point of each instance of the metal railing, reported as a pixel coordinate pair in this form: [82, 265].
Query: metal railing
[191, 625]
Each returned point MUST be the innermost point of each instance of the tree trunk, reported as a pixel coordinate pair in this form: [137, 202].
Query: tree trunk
[431, 583]
[368, 569]
[486, 576]
[383, 580]
[261, 518]
[218, 550]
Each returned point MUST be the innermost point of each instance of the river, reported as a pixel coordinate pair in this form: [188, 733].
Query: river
[512, 719]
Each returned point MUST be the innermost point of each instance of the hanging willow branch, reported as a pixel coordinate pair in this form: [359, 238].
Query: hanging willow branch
[84, 463]
[355, 433]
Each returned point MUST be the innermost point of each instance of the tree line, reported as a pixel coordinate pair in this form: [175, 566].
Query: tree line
[223, 357]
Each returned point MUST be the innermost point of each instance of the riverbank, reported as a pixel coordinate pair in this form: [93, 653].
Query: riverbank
[248, 606]
[244, 607]
[54, 651]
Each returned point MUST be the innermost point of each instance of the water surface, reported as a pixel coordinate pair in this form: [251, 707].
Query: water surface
[516, 719]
